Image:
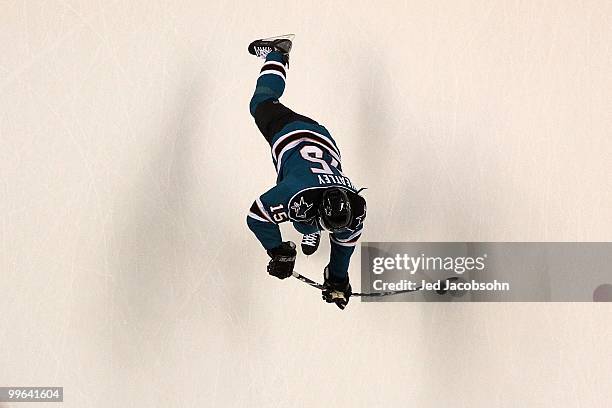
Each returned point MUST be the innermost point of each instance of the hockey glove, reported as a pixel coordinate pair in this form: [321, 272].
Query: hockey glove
[336, 292]
[283, 260]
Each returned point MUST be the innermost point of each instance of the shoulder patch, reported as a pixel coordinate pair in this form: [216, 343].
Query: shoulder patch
[303, 205]
[358, 205]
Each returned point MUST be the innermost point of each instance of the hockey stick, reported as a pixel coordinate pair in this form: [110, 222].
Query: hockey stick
[314, 284]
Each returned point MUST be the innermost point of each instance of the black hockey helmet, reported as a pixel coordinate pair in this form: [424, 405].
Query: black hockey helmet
[335, 209]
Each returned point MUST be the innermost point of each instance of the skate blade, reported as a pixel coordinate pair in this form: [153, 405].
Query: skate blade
[289, 37]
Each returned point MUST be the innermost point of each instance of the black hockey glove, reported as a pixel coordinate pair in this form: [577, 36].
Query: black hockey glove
[336, 292]
[283, 260]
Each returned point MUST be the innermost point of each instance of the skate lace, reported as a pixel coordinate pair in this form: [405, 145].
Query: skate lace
[310, 239]
[262, 51]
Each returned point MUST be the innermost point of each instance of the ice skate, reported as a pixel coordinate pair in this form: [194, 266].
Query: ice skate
[282, 43]
[310, 243]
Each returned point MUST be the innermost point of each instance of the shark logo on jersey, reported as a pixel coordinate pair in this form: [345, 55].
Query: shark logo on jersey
[300, 209]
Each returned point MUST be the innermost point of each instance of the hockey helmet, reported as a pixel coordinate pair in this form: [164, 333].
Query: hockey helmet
[335, 209]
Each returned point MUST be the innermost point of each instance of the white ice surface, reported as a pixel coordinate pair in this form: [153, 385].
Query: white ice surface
[128, 161]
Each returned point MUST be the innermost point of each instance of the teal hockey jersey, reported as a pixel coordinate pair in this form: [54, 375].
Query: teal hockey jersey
[307, 161]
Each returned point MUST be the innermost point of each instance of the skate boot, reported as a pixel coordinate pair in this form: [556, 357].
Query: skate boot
[337, 292]
[310, 243]
[282, 43]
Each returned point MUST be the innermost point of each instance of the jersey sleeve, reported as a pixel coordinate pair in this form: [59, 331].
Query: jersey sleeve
[266, 212]
[343, 242]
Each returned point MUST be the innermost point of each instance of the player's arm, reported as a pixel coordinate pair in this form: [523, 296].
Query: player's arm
[262, 224]
[342, 248]
[265, 214]
[343, 242]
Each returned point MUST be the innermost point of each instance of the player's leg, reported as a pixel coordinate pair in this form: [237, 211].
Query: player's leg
[271, 115]
[264, 105]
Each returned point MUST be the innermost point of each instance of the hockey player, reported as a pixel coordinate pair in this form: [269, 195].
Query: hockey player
[311, 191]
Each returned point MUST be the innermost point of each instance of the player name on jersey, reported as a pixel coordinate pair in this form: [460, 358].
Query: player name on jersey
[331, 179]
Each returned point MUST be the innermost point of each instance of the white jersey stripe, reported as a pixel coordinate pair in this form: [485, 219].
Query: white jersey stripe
[346, 244]
[257, 217]
[280, 74]
[275, 63]
[283, 137]
[353, 236]
[263, 210]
